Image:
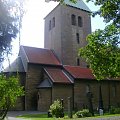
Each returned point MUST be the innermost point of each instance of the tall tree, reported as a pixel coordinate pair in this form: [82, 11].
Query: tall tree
[102, 52]
[10, 13]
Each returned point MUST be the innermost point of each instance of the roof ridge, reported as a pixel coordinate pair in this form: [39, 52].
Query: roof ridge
[79, 4]
[35, 47]
[67, 75]
[76, 66]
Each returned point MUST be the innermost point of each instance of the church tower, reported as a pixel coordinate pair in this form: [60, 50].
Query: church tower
[66, 28]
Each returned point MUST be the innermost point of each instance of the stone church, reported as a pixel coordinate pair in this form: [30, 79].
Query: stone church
[56, 71]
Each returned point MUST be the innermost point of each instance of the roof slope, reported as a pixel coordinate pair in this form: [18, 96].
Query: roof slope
[16, 66]
[58, 76]
[78, 72]
[79, 4]
[40, 56]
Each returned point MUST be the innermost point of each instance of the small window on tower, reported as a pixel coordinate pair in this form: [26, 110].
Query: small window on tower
[79, 21]
[53, 22]
[77, 38]
[73, 19]
[78, 61]
[50, 25]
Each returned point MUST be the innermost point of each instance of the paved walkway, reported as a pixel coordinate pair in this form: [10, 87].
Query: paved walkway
[12, 116]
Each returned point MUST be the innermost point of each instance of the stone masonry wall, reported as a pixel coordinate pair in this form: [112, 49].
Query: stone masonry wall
[44, 99]
[62, 92]
[33, 78]
[69, 42]
[109, 96]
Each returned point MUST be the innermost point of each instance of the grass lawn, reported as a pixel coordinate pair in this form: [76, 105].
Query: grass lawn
[44, 117]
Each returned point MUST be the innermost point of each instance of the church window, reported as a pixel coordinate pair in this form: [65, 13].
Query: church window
[50, 25]
[73, 19]
[77, 38]
[78, 61]
[79, 21]
[53, 22]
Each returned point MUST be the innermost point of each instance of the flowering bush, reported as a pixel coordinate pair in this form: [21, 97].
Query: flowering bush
[56, 109]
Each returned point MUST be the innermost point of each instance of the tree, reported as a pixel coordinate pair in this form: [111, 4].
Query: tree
[10, 90]
[10, 13]
[102, 52]
[109, 10]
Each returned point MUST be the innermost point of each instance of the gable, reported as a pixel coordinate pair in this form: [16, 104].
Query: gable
[38, 56]
[16, 66]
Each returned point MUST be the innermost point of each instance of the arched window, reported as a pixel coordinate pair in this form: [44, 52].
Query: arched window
[73, 19]
[53, 22]
[78, 61]
[80, 21]
[50, 25]
[77, 38]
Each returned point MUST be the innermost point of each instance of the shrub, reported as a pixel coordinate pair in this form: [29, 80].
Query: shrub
[83, 113]
[56, 109]
[117, 110]
[114, 110]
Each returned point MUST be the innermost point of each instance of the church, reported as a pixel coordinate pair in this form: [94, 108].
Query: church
[56, 71]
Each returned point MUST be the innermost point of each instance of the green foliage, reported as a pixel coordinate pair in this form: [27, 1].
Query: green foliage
[56, 109]
[83, 113]
[109, 10]
[10, 90]
[102, 52]
[114, 110]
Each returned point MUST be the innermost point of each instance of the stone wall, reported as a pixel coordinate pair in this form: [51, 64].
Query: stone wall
[80, 99]
[33, 79]
[62, 91]
[110, 93]
[69, 42]
[44, 99]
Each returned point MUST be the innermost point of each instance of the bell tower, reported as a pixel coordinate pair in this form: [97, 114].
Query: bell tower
[66, 28]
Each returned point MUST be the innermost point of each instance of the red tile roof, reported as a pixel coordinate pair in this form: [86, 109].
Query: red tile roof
[78, 72]
[40, 56]
[58, 76]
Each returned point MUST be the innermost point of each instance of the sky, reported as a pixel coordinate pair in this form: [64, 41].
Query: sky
[32, 32]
